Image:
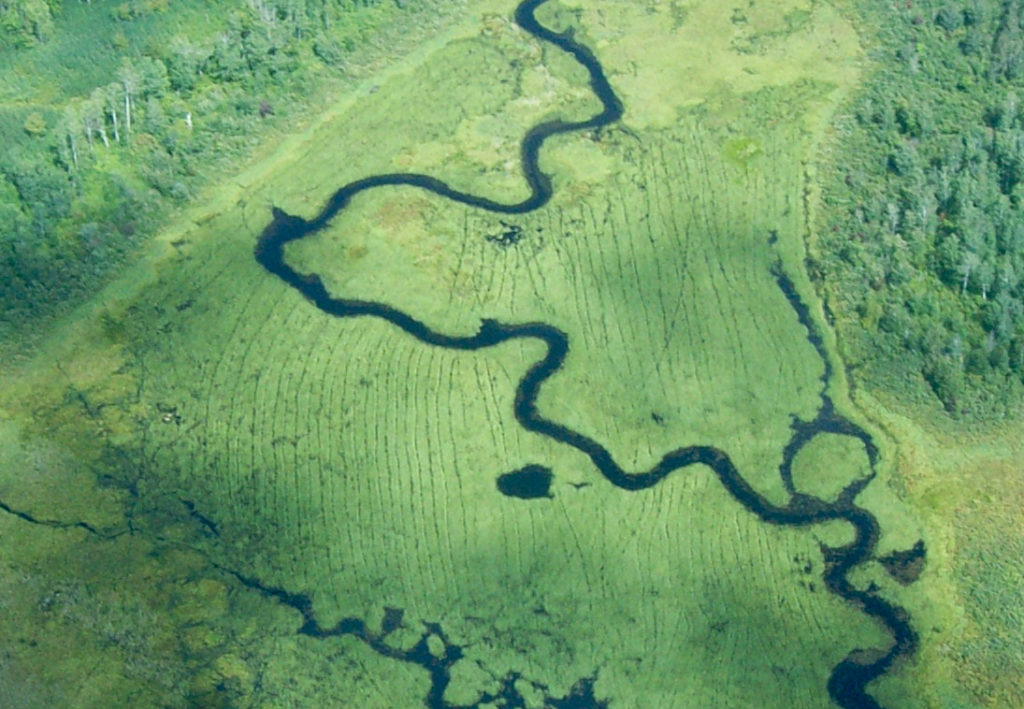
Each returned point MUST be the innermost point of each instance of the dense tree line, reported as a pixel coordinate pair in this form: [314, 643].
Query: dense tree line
[24, 23]
[87, 179]
[922, 248]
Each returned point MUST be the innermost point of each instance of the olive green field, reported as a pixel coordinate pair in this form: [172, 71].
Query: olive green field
[195, 442]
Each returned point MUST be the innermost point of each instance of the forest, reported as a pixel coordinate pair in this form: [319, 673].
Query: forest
[921, 249]
[114, 113]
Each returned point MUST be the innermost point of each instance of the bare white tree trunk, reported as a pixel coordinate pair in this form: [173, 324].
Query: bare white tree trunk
[967, 265]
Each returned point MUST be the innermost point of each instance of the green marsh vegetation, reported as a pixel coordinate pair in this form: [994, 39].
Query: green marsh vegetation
[916, 254]
[225, 431]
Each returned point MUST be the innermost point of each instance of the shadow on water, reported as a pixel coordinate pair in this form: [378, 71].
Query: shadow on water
[848, 680]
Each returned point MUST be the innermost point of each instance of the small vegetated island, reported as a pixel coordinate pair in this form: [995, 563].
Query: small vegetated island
[511, 378]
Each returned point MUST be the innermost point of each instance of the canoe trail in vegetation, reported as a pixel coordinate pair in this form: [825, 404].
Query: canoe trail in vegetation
[849, 679]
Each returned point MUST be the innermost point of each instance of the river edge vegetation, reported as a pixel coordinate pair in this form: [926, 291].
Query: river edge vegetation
[915, 253]
[223, 660]
[257, 434]
[113, 115]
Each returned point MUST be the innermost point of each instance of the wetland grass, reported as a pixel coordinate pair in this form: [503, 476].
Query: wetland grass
[347, 468]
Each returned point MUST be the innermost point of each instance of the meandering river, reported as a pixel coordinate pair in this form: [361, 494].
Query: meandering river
[849, 679]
